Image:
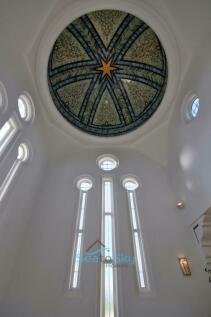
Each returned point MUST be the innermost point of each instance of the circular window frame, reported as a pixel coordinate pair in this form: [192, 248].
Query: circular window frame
[3, 98]
[187, 107]
[27, 101]
[131, 178]
[110, 157]
[25, 155]
[28, 152]
[83, 178]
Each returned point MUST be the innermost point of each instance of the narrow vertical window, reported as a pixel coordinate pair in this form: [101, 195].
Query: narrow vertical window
[22, 157]
[108, 272]
[3, 97]
[84, 185]
[7, 132]
[131, 184]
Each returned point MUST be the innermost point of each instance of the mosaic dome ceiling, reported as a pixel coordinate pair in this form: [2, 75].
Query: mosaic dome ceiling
[107, 73]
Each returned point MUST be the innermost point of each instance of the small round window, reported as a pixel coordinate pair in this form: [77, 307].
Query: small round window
[107, 162]
[191, 107]
[84, 184]
[26, 107]
[195, 107]
[130, 183]
[23, 152]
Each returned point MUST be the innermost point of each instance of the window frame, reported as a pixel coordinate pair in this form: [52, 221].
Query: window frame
[110, 157]
[78, 232]
[3, 98]
[136, 215]
[28, 103]
[9, 136]
[193, 114]
[186, 109]
[15, 168]
[109, 178]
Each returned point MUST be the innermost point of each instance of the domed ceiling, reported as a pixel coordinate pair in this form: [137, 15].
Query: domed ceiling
[107, 73]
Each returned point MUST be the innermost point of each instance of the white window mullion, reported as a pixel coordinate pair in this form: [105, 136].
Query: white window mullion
[82, 207]
[133, 211]
[137, 241]
[131, 184]
[22, 157]
[75, 274]
[139, 259]
[108, 271]
[77, 260]
[84, 185]
[7, 132]
[8, 179]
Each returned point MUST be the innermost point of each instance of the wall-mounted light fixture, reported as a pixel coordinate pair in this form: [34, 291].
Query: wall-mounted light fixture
[181, 205]
[184, 265]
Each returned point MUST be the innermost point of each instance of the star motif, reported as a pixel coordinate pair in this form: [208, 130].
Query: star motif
[106, 69]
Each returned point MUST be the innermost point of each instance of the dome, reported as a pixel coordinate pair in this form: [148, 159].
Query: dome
[107, 73]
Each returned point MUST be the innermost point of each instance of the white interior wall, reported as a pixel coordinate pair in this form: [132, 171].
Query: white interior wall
[189, 147]
[38, 285]
[16, 207]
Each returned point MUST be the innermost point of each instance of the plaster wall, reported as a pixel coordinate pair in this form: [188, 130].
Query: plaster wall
[189, 148]
[38, 285]
[17, 205]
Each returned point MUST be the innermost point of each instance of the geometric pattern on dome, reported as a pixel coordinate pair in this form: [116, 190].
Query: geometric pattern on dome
[107, 73]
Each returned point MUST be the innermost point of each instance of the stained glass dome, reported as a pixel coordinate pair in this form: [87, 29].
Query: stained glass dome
[107, 73]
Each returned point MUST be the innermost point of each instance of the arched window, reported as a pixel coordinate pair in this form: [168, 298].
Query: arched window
[26, 107]
[23, 155]
[131, 185]
[84, 184]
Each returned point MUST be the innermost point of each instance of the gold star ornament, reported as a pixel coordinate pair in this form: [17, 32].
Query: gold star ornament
[106, 69]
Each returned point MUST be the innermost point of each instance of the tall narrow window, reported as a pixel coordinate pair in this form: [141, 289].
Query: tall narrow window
[131, 184]
[7, 132]
[84, 185]
[22, 157]
[108, 271]
[3, 97]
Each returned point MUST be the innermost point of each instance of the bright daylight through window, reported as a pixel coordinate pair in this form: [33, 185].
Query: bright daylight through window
[84, 185]
[3, 97]
[26, 107]
[195, 107]
[22, 157]
[7, 132]
[191, 107]
[108, 271]
[131, 184]
[107, 162]
[109, 260]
